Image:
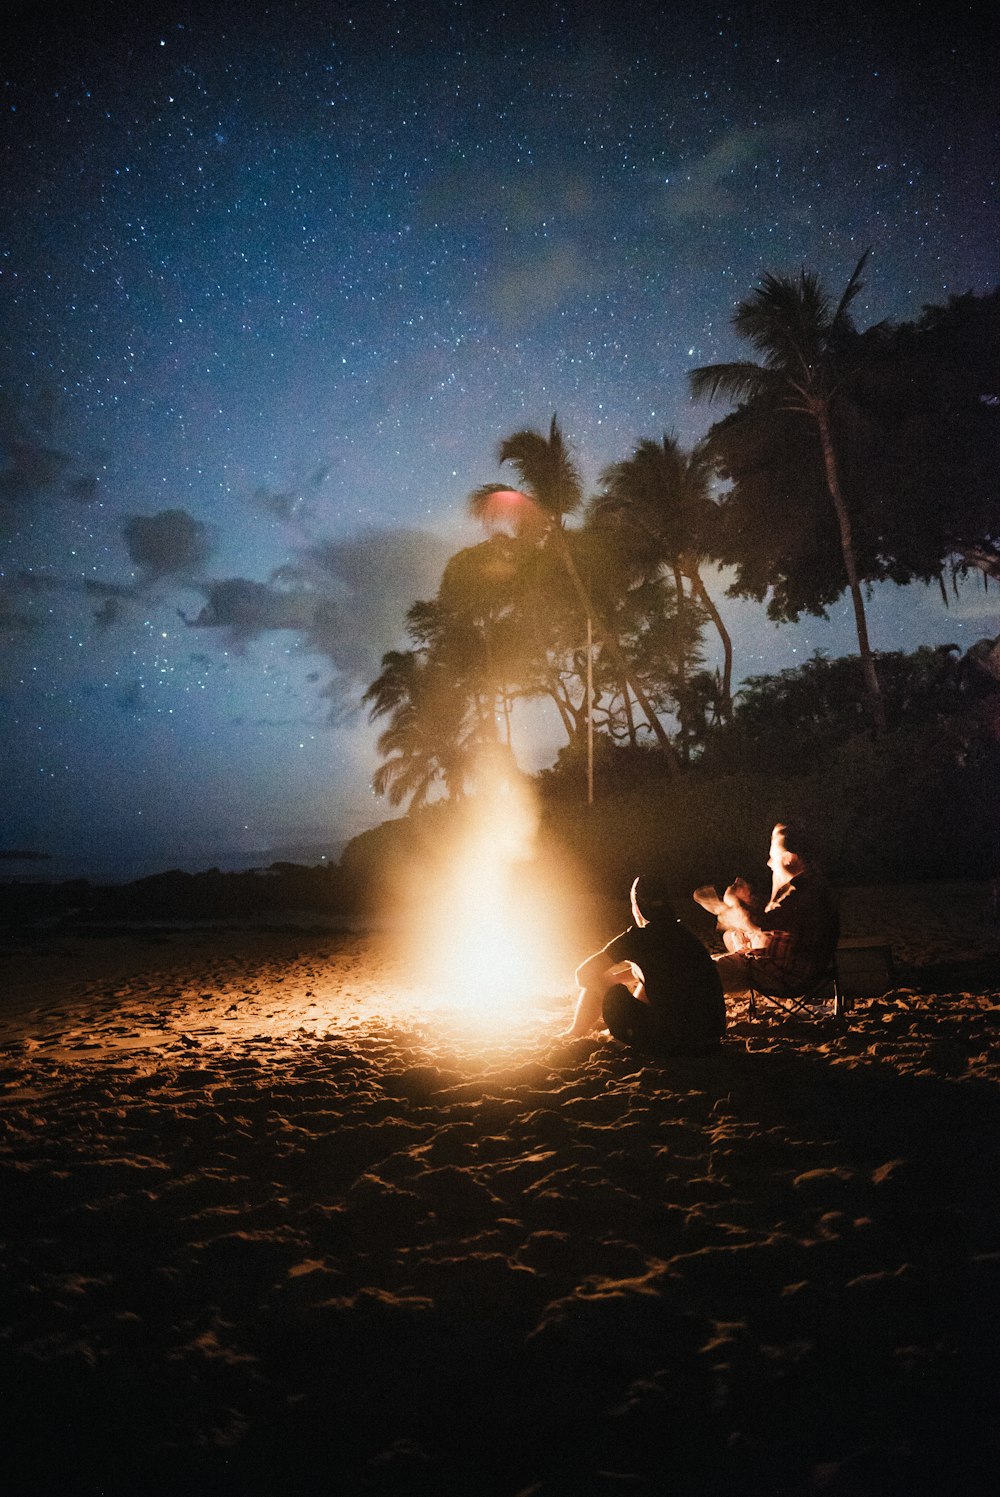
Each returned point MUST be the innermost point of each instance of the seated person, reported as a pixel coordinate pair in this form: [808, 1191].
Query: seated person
[785, 947]
[655, 985]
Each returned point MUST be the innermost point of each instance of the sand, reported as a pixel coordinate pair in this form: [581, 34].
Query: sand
[274, 1223]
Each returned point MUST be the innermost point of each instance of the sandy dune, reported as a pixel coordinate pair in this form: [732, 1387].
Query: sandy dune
[272, 1223]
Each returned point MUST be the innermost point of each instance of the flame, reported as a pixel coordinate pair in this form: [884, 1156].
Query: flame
[486, 934]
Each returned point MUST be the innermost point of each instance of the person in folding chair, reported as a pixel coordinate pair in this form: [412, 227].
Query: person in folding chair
[785, 948]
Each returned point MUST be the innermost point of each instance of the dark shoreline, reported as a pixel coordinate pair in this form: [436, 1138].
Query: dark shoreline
[176, 895]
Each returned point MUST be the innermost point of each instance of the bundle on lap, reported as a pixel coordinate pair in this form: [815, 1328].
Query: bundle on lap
[788, 944]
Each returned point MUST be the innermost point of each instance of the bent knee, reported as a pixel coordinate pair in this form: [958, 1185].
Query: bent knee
[589, 973]
[619, 1011]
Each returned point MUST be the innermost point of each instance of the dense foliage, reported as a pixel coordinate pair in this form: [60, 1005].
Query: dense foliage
[850, 457]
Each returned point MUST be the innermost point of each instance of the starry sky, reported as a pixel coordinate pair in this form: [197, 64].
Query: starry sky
[274, 281]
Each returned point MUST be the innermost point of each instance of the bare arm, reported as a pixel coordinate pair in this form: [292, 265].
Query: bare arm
[709, 900]
[738, 909]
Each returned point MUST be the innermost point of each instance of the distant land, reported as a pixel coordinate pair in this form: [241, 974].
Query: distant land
[25, 866]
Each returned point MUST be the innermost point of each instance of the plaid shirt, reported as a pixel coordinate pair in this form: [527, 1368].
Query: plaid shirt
[798, 933]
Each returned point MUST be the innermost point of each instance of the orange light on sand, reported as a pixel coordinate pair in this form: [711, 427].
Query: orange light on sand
[486, 940]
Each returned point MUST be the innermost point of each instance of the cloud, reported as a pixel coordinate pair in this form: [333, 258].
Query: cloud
[345, 599]
[34, 464]
[29, 468]
[171, 543]
[717, 185]
[113, 597]
[114, 602]
[130, 700]
[245, 608]
[532, 284]
[29, 585]
[13, 620]
[168, 545]
[539, 227]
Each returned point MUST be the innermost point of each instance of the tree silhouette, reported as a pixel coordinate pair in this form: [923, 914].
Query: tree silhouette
[429, 738]
[936, 385]
[550, 489]
[487, 610]
[809, 351]
[661, 495]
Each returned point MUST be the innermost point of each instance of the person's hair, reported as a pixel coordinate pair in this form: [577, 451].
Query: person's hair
[652, 896]
[797, 841]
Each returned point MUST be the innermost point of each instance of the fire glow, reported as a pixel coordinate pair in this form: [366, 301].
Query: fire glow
[485, 935]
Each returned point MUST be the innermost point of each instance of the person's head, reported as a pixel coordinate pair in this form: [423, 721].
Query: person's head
[650, 899]
[790, 850]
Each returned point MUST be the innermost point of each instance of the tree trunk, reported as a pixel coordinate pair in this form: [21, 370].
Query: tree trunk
[681, 662]
[847, 548]
[629, 714]
[611, 645]
[703, 596]
[505, 699]
[551, 678]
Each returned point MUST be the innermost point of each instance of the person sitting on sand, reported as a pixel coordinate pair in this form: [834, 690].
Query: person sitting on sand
[655, 985]
[786, 946]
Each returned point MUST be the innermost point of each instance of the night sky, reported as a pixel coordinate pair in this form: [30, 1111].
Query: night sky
[276, 279]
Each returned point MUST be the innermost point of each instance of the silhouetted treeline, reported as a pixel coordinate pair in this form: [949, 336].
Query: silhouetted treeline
[212, 895]
[922, 801]
[850, 458]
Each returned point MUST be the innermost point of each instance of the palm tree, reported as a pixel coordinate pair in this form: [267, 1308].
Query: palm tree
[428, 739]
[550, 489]
[663, 495]
[504, 590]
[803, 343]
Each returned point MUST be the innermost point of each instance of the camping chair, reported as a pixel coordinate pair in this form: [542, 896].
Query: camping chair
[811, 1002]
[861, 968]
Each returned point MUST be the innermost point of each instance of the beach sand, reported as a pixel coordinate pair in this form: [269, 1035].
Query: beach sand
[275, 1223]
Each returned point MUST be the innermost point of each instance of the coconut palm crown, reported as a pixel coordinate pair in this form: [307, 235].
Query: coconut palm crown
[804, 344]
[551, 489]
[662, 496]
[550, 484]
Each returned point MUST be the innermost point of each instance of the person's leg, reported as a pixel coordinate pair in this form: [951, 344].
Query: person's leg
[741, 973]
[624, 1015]
[735, 972]
[593, 978]
[640, 1024]
[587, 1011]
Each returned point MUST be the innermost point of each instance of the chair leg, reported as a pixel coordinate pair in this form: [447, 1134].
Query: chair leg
[841, 1002]
[810, 1004]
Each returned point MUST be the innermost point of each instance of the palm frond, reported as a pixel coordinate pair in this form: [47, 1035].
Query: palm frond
[851, 290]
[786, 319]
[738, 381]
[394, 684]
[546, 469]
[498, 507]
